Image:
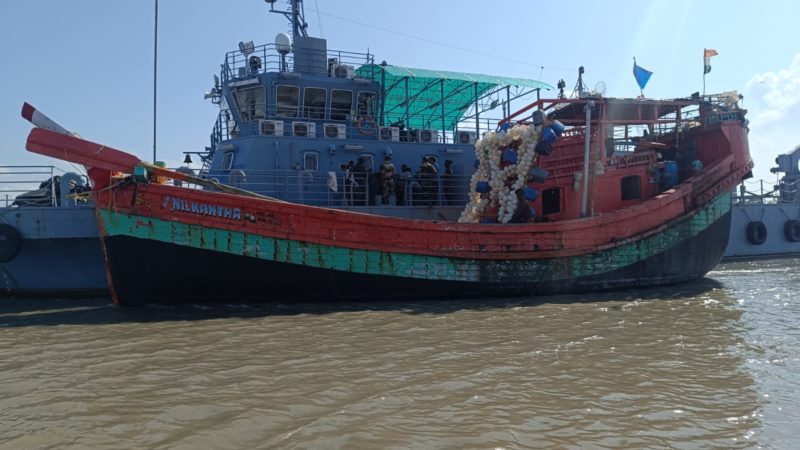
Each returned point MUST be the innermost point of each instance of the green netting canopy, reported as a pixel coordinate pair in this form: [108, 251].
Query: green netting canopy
[434, 99]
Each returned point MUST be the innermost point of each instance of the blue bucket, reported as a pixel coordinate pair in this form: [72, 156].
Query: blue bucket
[544, 148]
[537, 174]
[530, 194]
[557, 127]
[549, 135]
[537, 117]
[482, 187]
[509, 156]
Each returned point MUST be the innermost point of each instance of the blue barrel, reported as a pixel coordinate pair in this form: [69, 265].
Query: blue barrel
[482, 187]
[549, 135]
[530, 194]
[509, 156]
[477, 163]
[670, 174]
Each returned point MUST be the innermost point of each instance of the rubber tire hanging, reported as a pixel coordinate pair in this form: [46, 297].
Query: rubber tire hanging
[756, 232]
[10, 242]
[791, 230]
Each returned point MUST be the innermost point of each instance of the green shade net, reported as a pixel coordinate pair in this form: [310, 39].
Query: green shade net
[434, 99]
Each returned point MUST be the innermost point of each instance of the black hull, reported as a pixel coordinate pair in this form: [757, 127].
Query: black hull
[152, 271]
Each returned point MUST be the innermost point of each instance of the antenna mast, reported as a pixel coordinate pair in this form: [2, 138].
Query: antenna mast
[296, 16]
[580, 88]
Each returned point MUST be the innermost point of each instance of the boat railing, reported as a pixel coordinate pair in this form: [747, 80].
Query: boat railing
[335, 189]
[267, 58]
[221, 131]
[45, 180]
[756, 192]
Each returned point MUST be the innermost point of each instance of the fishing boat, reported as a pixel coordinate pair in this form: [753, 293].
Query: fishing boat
[308, 190]
[766, 218]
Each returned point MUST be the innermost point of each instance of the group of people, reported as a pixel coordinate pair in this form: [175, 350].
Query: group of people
[420, 189]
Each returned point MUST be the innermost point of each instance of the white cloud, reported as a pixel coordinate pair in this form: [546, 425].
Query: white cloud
[773, 99]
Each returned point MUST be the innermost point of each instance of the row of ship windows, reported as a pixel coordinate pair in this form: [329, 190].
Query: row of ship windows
[252, 103]
[310, 160]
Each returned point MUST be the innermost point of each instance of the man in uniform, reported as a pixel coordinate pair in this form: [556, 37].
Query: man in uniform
[387, 179]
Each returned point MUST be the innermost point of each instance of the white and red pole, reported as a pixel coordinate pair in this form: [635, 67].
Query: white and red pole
[38, 118]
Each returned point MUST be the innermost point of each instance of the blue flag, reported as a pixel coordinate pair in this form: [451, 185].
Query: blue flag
[642, 75]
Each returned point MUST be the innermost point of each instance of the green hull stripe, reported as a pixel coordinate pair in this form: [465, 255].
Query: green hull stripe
[375, 262]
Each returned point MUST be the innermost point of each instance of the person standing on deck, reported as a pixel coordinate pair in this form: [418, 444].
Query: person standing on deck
[387, 179]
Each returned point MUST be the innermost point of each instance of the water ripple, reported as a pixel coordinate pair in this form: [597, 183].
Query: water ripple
[701, 365]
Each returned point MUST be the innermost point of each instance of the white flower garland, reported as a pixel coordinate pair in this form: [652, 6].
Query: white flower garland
[488, 150]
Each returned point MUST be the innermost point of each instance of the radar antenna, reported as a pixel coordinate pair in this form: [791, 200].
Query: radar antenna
[600, 88]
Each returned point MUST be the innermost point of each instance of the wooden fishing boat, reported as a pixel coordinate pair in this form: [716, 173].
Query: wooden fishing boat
[609, 210]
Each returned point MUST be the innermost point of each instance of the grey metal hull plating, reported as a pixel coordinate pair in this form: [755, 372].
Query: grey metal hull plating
[774, 217]
[59, 252]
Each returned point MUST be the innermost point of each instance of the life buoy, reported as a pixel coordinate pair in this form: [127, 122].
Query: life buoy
[365, 125]
[756, 232]
[791, 230]
[10, 242]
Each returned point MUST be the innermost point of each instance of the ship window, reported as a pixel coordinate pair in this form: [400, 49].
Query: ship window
[314, 103]
[551, 201]
[341, 103]
[631, 187]
[311, 161]
[252, 103]
[227, 161]
[288, 99]
[366, 104]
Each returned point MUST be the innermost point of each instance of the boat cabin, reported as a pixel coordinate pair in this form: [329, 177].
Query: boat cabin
[310, 125]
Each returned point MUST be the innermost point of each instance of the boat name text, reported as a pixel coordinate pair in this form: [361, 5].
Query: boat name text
[203, 209]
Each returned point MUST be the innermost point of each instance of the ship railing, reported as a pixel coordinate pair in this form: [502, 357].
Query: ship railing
[267, 58]
[755, 192]
[221, 130]
[334, 189]
[41, 183]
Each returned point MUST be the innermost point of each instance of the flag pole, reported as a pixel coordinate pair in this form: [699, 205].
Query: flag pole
[704, 72]
[641, 90]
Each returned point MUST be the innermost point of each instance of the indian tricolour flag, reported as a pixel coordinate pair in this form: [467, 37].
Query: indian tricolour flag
[707, 54]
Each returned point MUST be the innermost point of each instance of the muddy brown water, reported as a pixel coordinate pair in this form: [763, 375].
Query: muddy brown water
[707, 364]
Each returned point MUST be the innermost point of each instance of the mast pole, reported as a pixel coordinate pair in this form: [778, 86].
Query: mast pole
[585, 194]
[155, 80]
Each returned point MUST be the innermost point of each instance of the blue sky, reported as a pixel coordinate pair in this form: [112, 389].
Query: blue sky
[88, 64]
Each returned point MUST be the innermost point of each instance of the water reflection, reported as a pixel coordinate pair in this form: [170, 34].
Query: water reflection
[659, 367]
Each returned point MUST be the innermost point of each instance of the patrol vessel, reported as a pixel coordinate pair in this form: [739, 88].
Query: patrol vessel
[48, 240]
[766, 219]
